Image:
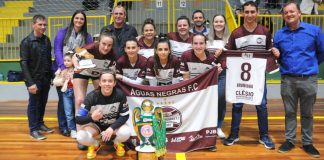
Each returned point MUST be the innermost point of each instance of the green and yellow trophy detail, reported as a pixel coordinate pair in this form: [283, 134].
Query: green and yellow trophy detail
[150, 128]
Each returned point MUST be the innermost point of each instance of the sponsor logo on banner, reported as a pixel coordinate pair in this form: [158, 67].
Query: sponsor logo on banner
[172, 117]
[195, 138]
[211, 133]
[178, 139]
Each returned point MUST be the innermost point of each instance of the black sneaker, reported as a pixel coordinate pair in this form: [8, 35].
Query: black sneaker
[82, 147]
[44, 128]
[285, 147]
[213, 149]
[65, 133]
[231, 139]
[37, 135]
[311, 150]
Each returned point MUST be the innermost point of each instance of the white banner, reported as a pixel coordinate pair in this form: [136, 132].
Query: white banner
[190, 109]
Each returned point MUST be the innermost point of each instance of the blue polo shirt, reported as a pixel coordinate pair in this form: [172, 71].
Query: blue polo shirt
[301, 50]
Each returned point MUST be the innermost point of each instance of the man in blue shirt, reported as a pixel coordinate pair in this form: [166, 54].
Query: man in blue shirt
[301, 46]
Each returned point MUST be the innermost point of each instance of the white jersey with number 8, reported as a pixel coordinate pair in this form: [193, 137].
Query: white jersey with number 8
[245, 80]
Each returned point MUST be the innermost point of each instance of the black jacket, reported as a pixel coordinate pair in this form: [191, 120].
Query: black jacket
[127, 32]
[30, 59]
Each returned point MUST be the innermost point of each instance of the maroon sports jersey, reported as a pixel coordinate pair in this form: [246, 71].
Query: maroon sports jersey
[102, 62]
[241, 39]
[178, 45]
[192, 64]
[146, 51]
[166, 73]
[142, 45]
[93, 48]
[125, 68]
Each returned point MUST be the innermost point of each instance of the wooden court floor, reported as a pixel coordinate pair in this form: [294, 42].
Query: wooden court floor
[15, 142]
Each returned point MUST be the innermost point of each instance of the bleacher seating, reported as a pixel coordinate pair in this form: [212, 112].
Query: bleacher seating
[11, 10]
[62, 8]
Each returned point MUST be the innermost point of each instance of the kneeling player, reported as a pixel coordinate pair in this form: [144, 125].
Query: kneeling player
[104, 114]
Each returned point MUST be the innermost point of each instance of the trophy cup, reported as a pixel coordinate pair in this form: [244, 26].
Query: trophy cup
[150, 129]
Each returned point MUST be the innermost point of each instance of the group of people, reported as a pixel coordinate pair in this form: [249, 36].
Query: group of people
[166, 59]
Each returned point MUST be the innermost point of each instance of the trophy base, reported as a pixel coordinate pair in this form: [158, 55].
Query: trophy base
[146, 149]
[146, 156]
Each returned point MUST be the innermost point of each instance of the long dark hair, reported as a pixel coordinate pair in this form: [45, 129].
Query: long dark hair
[83, 30]
[157, 64]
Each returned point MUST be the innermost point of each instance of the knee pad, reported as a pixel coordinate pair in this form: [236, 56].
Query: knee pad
[86, 138]
[122, 134]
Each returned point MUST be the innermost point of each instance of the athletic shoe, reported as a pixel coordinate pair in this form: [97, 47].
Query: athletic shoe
[120, 151]
[44, 128]
[311, 150]
[267, 142]
[65, 133]
[213, 149]
[220, 133]
[37, 135]
[231, 140]
[82, 147]
[73, 134]
[92, 151]
[285, 147]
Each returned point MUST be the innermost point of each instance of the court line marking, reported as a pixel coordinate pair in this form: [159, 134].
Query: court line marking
[180, 156]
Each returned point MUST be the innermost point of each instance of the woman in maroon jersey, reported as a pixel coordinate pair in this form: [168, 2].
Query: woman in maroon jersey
[181, 40]
[163, 68]
[101, 51]
[131, 65]
[197, 61]
[149, 39]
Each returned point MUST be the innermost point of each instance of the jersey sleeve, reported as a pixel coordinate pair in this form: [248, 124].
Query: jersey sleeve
[150, 69]
[184, 64]
[119, 67]
[142, 72]
[231, 42]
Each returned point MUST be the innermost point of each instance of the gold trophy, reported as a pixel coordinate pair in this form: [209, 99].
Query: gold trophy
[150, 129]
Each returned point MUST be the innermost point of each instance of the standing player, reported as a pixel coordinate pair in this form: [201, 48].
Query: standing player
[250, 36]
[182, 39]
[131, 66]
[163, 68]
[102, 51]
[197, 61]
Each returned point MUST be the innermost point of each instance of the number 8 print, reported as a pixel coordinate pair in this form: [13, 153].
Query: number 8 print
[246, 75]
